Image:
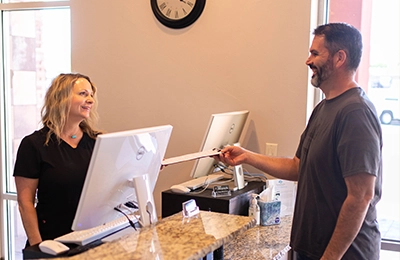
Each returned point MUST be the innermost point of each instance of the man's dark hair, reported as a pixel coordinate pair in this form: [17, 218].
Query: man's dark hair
[342, 36]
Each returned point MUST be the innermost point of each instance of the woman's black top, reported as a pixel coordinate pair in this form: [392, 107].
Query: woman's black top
[61, 171]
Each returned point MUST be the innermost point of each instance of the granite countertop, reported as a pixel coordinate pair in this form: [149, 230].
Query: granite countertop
[175, 238]
[261, 242]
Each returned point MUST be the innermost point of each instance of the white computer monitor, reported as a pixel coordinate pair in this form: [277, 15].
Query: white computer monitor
[223, 129]
[124, 167]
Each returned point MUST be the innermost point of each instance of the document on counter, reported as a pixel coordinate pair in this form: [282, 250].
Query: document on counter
[191, 156]
[285, 191]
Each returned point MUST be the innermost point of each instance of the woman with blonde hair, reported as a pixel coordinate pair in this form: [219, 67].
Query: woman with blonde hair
[52, 162]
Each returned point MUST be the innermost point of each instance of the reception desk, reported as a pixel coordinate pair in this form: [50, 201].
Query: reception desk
[259, 242]
[196, 238]
[262, 242]
[174, 237]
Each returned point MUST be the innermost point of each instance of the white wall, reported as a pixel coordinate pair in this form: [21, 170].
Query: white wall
[240, 54]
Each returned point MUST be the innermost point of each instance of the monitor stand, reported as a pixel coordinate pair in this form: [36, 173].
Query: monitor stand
[237, 183]
[234, 187]
[145, 200]
[238, 177]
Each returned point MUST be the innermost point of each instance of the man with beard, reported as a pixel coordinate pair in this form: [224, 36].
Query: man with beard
[338, 162]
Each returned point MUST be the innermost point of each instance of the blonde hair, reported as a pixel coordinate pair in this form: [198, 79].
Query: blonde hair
[57, 105]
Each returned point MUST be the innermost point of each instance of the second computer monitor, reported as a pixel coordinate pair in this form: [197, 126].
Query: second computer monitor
[223, 129]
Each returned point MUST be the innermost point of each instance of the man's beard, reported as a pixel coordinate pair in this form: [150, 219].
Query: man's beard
[322, 73]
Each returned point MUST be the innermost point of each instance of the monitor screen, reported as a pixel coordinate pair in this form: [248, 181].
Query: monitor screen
[223, 129]
[119, 159]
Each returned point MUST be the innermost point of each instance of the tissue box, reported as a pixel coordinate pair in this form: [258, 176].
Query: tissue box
[270, 212]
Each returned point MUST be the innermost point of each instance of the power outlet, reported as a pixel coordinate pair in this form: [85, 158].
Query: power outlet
[271, 149]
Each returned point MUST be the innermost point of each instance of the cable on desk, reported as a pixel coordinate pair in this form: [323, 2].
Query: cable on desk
[248, 176]
[129, 220]
[131, 204]
[148, 212]
[201, 191]
[221, 167]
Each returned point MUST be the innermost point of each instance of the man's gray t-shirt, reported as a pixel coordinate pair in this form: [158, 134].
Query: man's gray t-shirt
[343, 137]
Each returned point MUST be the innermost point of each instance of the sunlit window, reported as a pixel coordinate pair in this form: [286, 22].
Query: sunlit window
[379, 75]
[36, 47]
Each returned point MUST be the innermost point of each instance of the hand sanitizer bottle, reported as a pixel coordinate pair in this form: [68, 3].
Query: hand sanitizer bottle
[254, 209]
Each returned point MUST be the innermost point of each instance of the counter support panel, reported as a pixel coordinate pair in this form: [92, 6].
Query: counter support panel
[236, 204]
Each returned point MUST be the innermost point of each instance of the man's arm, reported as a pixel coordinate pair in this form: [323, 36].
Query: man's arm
[279, 167]
[360, 191]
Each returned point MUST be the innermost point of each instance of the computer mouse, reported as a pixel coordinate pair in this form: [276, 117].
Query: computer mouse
[180, 189]
[53, 247]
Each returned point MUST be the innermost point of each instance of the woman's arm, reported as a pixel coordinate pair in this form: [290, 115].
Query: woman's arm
[26, 191]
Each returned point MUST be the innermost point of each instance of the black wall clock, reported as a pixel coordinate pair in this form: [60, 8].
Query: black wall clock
[177, 13]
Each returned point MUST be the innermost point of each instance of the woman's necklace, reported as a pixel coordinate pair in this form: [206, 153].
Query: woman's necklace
[73, 136]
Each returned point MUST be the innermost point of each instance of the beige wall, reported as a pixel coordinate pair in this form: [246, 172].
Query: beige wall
[240, 54]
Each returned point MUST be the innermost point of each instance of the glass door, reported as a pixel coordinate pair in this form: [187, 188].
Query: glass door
[35, 47]
[379, 75]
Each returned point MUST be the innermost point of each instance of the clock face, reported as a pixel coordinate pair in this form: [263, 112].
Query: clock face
[176, 10]
[177, 13]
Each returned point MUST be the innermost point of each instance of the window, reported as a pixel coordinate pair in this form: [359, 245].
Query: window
[379, 75]
[36, 46]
